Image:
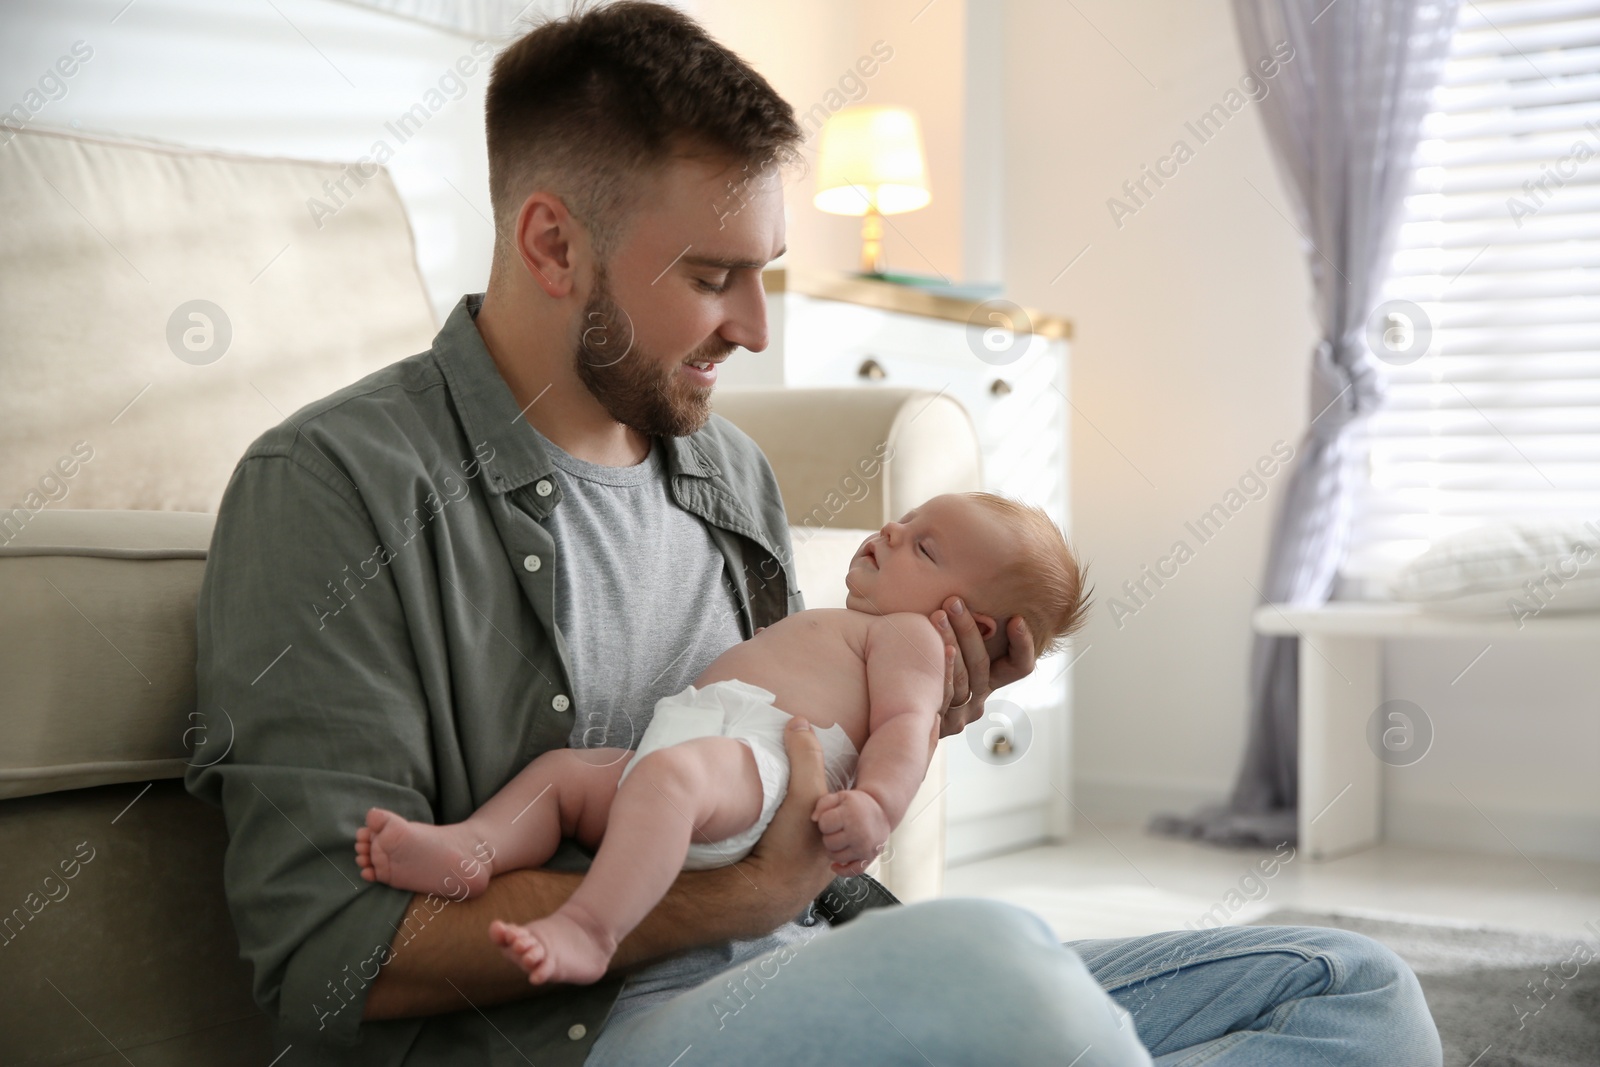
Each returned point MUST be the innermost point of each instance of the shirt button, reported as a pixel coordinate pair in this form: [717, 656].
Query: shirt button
[531, 563]
[543, 487]
[576, 1031]
[560, 702]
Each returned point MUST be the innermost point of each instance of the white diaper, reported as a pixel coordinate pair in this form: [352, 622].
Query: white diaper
[746, 713]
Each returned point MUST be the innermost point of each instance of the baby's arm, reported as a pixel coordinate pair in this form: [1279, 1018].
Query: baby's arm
[905, 690]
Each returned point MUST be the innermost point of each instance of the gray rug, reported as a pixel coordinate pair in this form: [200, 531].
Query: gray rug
[1480, 985]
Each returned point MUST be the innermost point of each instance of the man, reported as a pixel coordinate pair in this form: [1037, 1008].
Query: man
[522, 537]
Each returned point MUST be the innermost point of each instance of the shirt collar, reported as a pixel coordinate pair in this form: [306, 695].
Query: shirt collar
[489, 413]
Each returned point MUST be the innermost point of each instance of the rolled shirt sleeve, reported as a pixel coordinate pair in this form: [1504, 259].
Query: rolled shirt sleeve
[324, 709]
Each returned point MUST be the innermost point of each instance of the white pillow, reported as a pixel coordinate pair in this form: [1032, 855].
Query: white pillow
[1526, 566]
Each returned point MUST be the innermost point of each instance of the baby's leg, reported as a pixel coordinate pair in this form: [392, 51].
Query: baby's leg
[564, 793]
[707, 790]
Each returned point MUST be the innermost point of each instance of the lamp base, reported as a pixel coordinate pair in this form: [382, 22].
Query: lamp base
[872, 242]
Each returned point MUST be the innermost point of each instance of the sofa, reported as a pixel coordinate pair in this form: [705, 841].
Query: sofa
[120, 422]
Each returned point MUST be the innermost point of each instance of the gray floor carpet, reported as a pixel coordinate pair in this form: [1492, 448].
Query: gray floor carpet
[1478, 981]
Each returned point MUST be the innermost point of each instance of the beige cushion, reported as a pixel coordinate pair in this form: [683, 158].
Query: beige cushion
[97, 647]
[101, 242]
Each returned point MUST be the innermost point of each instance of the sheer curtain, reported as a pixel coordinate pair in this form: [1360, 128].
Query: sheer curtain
[1343, 119]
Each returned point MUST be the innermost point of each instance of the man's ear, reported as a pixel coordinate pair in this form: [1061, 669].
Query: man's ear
[544, 238]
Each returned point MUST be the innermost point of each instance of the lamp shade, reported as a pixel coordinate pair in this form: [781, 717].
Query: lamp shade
[871, 158]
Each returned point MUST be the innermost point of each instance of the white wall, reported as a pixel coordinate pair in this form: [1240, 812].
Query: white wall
[1192, 328]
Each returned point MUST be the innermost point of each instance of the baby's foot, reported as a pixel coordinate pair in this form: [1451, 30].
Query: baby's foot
[561, 947]
[419, 856]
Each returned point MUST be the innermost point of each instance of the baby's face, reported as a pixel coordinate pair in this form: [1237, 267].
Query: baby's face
[949, 546]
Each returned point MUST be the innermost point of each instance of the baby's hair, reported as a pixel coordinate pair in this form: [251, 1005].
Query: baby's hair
[1046, 582]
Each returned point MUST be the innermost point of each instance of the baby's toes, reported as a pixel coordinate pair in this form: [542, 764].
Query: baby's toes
[533, 954]
[529, 947]
[507, 935]
[510, 935]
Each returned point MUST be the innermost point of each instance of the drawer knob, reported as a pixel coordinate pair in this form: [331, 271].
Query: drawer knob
[871, 370]
[1000, 387]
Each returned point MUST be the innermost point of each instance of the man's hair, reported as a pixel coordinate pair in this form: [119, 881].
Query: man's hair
[594, 104]
[1045, 583]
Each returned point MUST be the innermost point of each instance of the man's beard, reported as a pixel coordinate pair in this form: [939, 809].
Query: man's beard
[635, 388]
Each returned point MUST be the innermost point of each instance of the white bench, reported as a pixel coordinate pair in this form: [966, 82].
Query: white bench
[1341, 685]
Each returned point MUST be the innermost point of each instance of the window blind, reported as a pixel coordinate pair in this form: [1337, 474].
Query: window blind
[1500, 249]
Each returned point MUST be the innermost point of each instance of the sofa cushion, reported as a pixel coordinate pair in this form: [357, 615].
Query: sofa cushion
[97, 647]
[161, 307]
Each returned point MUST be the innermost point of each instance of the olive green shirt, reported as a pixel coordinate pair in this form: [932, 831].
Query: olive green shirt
[377, 624]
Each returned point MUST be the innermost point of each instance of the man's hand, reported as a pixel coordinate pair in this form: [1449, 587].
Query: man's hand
[854, 829]
[970, 676]
[789, 864]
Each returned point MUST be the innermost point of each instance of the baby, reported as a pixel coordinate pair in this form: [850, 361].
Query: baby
[710, 769]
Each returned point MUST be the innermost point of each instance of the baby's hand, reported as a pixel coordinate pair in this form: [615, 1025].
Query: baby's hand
[854, 829]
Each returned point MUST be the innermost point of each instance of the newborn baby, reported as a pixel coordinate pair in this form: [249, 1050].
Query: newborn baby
[710, 769]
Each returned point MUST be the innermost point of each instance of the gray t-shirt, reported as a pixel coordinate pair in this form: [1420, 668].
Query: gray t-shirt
[644, 604]
[643, 600]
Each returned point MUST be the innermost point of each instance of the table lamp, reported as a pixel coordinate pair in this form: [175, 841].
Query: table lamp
[870, 163]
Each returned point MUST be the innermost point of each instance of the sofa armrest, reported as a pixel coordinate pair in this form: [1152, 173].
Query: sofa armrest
[857, 457]
[847, 461]
[97, 646]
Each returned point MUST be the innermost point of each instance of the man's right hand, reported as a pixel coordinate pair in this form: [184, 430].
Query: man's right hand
[790, 865]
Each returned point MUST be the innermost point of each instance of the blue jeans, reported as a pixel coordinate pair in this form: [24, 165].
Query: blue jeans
[962, 981]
